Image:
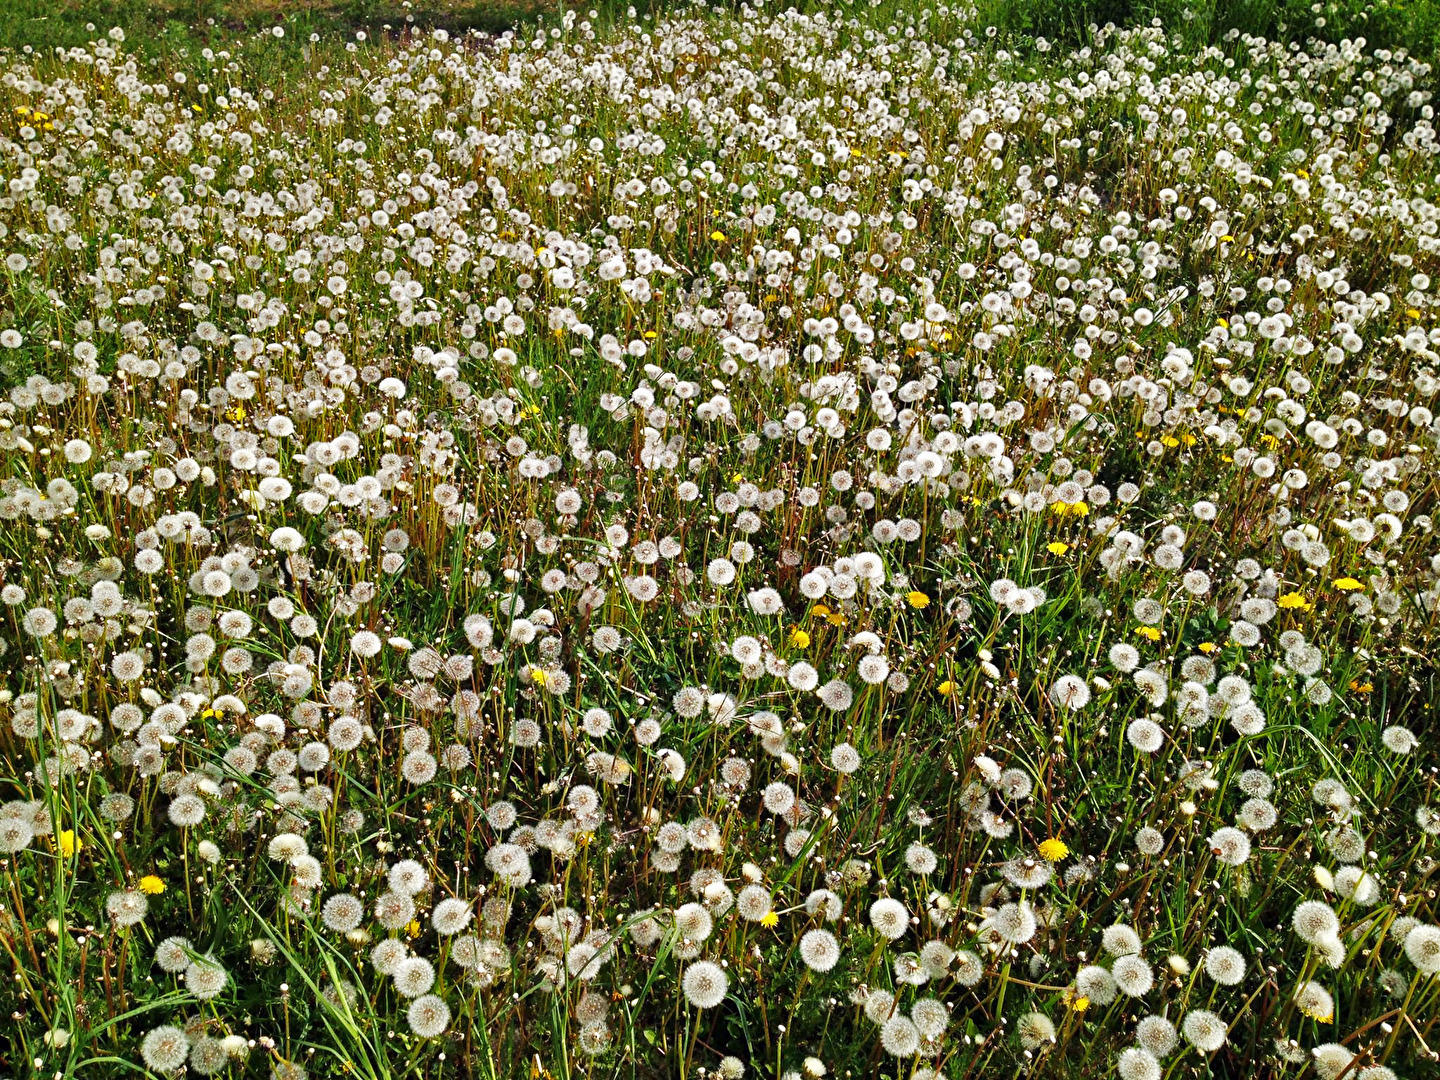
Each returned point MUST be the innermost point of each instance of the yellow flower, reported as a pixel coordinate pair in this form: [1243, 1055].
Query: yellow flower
[1169, 440]
[799, 638]
[835, 619]
[917, 599]
[1208, 646]
[1149, 633]
[537, 676]
[69, 842]
[1346, 584]
[738, 478]
[819, 611]
[1361, 688]
[152, 885]
[1057, 548]
[413, 928]
[1053, 850]
[1294, 600]
[1227, 239]
[1080, 1004]
[717, 236]
[237, 414]
[1223, 322]
[1080, 509]
[946, 688]
[1412, 312]
[770, 919]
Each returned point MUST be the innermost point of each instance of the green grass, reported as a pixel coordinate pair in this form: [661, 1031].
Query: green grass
[165, 27]
[1412, 25]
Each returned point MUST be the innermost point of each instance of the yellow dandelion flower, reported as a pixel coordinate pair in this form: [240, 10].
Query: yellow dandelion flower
[1294, 600]
[946, 688]
[152, 885]
[537, 676]
[1057, 548]
[819, 611]
[1053, 850]
[68, 842]
[1149, 633]
[717, 236]
[1208, 646]
[1347, 584]
[770, 919]
[413, 928]
[835, 619]
[799, 638]
[917, 599]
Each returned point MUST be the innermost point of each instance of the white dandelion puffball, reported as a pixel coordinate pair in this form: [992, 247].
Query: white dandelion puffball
[704, 984]
[890, 918]
[819, 950]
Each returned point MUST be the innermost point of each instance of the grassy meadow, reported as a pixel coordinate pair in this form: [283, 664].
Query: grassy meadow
[861, 540]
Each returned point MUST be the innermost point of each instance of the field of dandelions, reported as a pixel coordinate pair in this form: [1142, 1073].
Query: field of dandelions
[724, 545]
